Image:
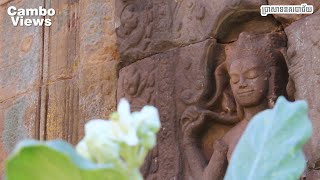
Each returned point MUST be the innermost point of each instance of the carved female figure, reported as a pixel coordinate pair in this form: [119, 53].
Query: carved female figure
[249, 81]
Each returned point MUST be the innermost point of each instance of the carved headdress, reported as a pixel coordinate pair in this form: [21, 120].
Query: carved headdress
[268, 47]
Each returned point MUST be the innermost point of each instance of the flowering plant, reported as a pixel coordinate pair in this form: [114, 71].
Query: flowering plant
[110, 149]
[124, 140]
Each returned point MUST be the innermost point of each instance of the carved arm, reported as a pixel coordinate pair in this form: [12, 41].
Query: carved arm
[194, 120]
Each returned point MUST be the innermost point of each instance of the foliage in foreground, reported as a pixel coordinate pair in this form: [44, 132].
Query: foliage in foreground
[271, 146]
[269, 149]
[54, 160]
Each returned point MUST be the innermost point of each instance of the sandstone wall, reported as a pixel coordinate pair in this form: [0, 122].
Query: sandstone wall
[169, 50]
[54, 79]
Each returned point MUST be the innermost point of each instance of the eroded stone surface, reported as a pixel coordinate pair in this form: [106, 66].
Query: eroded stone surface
[146, 82]
[54, 79]
[82, 70]
[162, 80]
[148, 27]
[287, 19]
[20, 54]
[304, 63]
[20, 75]
[19, 120]
[99, 60]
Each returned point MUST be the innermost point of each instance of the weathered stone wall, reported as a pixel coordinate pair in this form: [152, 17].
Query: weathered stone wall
[21, 52]
[304, 67]
[54, 79]
[169, 50]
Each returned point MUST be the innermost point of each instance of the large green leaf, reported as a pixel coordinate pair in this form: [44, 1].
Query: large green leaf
[34, 160]
[271, 146]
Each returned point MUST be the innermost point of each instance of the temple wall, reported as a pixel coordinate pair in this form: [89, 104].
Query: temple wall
[54, 79]
[160, 52]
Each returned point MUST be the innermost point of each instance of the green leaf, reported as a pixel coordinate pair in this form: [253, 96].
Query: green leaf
[54, 160]
[271, 146]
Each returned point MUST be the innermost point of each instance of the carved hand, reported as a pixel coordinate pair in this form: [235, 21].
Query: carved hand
[192, 120]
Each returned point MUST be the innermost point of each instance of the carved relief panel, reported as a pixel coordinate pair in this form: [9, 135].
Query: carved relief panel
[147, 27]
[253, 75]
[209, 67]
[158, 80]
[150, 81]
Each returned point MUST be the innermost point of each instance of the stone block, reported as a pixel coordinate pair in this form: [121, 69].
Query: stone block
[304, 68]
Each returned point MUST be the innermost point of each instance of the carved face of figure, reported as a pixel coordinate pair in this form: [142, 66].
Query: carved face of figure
[249, 80]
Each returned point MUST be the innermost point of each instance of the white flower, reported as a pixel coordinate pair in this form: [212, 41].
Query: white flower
[126, 137]
[100, 142]
[127, 124]
[150, 118]
[130, 124]
[125, 127]
[150, 125]
[148, 140]
[99, 127]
